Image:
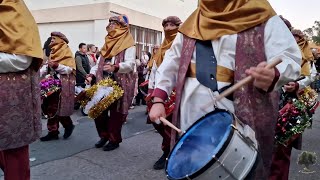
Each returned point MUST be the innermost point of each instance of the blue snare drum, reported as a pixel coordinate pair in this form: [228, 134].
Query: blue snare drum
[218, 146]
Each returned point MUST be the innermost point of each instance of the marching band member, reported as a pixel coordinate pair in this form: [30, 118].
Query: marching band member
[281, 157]
[170, 27]
[60, 105]
[219, 44]
[118, 58]
[20, 59]
[150, 62]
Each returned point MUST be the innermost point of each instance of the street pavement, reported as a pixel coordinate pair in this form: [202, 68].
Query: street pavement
[77, 159]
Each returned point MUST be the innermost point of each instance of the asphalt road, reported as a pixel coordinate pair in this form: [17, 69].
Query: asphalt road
[84, 137]
[76, 158]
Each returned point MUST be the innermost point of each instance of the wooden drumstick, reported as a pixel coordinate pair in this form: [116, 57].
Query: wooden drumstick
[168, 123]
[240, 84]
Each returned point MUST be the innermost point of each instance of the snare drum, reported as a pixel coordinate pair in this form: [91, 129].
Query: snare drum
[218, 146]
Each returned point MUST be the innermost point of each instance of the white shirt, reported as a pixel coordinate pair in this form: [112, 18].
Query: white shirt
[308, 79]
[14, 63]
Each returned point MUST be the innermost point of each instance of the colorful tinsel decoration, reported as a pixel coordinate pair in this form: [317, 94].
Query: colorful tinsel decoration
[49, 85]
[296, 116]
[98, 109]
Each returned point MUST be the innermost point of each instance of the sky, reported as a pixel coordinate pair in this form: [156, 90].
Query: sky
[301, 13]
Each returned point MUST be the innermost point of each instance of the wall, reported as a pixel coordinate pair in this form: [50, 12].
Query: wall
[76, 32]
[48, 4]
[161, 8]
[85, 20]
[157, 8]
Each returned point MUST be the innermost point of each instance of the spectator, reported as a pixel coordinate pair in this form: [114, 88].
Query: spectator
[140, 70]
[92, 54]
[98, 53]
[83, 65]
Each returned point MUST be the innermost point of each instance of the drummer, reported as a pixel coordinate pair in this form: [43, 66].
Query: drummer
[219, 44]
[170, 26]
[281, 157]
[118, 59]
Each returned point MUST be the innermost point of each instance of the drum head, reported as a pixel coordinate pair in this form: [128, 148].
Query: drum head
[195, 150]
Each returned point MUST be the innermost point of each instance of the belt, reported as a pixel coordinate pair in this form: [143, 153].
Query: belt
[223, 74]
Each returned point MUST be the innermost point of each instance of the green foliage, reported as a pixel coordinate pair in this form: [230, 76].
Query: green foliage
[314, 32]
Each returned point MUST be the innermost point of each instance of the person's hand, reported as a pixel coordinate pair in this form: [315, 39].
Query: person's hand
[157, 111]
[108, 67]
[263, 77]
[88, 80]
[290, 87]
[52, 64]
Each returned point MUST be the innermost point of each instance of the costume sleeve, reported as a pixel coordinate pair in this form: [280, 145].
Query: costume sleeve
[152, 76]
[308, 79]
[145, 59]
[80, 67]
[129, 61]
[62, 69]
[14, 63]
[43, 70]
[280, 44]
[167, 73]
[94, 69]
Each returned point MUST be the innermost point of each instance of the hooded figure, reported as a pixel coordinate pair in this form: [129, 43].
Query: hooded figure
[218, 45]
[60, 105]
[282, 155]
[118, 56]
[170, 26]
[20, 59]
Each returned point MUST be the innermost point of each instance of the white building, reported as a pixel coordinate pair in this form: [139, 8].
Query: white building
[86, 20]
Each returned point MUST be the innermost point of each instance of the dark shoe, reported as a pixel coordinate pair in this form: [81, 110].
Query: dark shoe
[50, 136]
[110, 146]
[101, 143]
[68, 131]
[160, 164]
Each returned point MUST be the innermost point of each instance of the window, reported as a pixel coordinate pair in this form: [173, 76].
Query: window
[145, 38]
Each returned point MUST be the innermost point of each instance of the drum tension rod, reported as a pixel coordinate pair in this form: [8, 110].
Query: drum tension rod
[246, 139]
[223, 166]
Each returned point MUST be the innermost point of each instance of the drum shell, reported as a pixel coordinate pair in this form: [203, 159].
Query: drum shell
[234, 161]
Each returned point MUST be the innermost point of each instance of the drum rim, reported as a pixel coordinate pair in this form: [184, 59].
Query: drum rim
[217, 156]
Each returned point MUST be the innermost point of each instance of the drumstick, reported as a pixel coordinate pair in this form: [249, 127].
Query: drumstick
[166, 122]
[240, 84]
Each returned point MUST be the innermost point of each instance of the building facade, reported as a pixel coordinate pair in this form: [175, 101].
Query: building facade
[86, 20]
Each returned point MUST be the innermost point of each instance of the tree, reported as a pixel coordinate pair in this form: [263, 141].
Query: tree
[314, 32]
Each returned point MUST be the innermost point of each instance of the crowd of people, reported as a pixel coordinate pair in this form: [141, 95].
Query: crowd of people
[217, 46]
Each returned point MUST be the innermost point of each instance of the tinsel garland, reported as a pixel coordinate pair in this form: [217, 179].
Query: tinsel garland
[296, 116]
[98, 109]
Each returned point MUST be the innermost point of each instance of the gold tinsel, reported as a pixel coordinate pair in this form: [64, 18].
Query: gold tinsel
[308, 96]
[98, 109]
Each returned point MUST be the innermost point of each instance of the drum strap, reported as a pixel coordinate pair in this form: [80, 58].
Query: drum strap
[206, 71]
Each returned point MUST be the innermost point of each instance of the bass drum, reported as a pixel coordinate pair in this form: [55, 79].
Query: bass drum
[218, 146]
